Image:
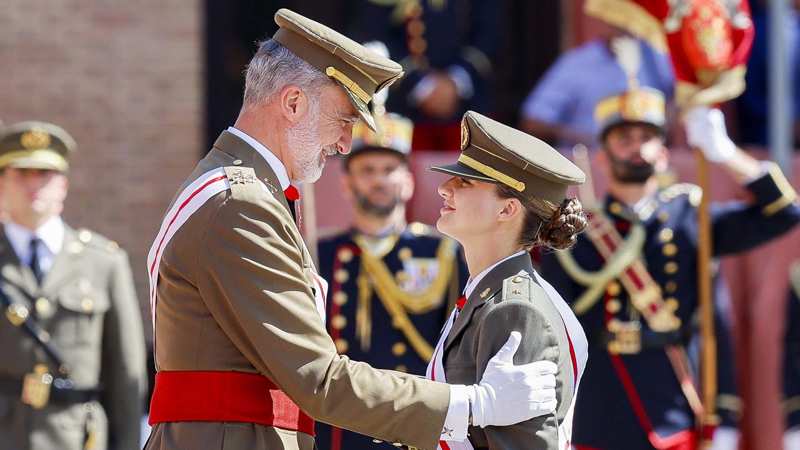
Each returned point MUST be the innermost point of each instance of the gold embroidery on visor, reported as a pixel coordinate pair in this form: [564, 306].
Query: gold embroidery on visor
[492, 172]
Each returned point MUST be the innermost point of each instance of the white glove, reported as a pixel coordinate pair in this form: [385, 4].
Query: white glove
[725, 438]
[791, 439]
[705, 129]
[509, 394]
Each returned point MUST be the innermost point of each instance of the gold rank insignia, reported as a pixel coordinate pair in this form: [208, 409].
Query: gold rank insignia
[35, 139]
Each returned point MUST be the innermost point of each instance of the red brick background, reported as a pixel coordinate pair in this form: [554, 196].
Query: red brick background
[125, 79]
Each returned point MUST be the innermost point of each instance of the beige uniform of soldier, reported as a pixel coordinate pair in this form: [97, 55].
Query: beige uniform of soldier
[243, 356]
[80, 383]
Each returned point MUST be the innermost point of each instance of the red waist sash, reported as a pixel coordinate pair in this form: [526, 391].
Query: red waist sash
[217, 396]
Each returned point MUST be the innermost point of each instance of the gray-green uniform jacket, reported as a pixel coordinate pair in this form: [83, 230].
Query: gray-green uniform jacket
[87, 306]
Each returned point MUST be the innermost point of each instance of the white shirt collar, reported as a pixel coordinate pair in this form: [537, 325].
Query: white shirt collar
[473, 282]
[51, 233]
[272, 160]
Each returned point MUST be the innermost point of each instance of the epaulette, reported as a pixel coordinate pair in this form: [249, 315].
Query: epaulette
[94, 240]
[517, 287]
[241, 180]
[694, 192]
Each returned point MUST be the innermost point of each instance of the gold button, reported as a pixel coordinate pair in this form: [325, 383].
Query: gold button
[401, 368]
[485, 292]
[340, 298]
[85, 236]
[404, 254]
[613, 289]
[339, 321]
[671, 304]
[417, 228]
[665, 235]
[671, 267]
[615, 208]
[237, 162]
[613, 306]
[670, 287]
[613, 347]
[613, 325]
[341, 276]
[87, 304]
[43, 307]
[663, 216]
[517, 279]
[399, 349]
[670, 249]
[345, 255]
[341, 345]
[17, 314]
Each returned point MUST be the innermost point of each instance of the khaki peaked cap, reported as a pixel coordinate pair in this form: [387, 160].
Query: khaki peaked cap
[496, 153]
[360, 71]
[35, 145]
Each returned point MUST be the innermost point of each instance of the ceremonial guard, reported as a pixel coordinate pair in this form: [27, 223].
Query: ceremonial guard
[632, 277]
[243, 355]
[72, 375]
[392, 284]
[447, 49]
[791, 362]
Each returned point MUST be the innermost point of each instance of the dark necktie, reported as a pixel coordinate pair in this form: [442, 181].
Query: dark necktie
[34, 264]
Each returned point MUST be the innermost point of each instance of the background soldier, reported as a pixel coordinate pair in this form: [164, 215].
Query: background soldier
[447, 49]
[72, 374]
[384, 271]
[632, 277]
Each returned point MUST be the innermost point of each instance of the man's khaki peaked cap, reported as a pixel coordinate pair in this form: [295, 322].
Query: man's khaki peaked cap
[35, 145]
[360, 71]
[496, 153]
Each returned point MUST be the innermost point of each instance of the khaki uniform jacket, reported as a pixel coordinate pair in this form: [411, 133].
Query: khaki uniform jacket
[509, 299]
[88, 306]
[235, 294]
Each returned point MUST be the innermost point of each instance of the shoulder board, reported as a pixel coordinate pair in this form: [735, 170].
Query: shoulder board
[95, 240]
[241, 180]
[694, 192]
[794, 274]
[517, 287]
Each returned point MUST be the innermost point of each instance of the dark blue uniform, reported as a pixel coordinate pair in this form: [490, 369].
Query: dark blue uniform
[629, 401]
[433, 35]
[387, 310]
[791, 352]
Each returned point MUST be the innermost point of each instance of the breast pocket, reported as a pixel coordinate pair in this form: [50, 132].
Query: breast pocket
[80, 316]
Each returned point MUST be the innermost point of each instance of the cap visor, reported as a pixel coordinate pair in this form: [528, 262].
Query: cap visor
[38, 164]
[362, 108]
[460, 170]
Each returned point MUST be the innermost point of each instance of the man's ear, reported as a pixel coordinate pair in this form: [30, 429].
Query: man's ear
[408, 186]
[603, 161]
[293, 103]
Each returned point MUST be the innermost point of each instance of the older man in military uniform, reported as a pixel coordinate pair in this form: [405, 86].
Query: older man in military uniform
[632, 277]
[72, 375]
[243, 356]
[384, 270]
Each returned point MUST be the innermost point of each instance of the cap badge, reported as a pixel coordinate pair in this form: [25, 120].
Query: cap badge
[35, 139]
[464, 135]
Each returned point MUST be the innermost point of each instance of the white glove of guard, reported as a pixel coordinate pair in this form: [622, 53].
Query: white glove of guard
[705, 129]
[791, 439]
[725, 438]
[509, 394]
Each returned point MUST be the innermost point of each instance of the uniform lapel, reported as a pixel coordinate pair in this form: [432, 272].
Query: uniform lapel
[231, 144]
[16, 276]
[486, 289]
[64, 262]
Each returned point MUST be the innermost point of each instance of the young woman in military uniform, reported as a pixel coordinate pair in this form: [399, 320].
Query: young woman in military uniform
[508, 194]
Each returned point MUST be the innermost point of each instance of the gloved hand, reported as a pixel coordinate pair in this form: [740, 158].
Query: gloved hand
[791, 439]
[725, 438]
[705, 129]
[509, 394]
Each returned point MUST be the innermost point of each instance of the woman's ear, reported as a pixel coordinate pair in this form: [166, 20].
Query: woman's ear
[511, 209]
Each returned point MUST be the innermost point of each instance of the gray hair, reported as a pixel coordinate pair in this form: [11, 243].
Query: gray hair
[273, 67]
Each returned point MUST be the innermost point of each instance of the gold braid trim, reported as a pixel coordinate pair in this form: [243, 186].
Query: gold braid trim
[631, 17]
[420, 303]
[364, 311]
[788, 194]
[794, 276]
[596, 282]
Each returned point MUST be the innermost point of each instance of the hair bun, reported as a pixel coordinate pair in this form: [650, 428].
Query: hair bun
[567, 222]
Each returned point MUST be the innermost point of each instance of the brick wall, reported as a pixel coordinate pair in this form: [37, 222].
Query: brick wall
[125, 79]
